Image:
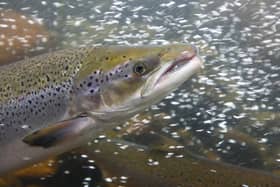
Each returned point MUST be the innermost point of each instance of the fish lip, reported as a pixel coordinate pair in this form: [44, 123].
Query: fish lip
[188, 60]
[183, 59]
[177, 62]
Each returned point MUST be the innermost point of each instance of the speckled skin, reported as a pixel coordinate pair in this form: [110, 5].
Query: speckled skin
[37, 91]
[46, 89]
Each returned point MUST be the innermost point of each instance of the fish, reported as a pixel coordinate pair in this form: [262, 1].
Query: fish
[22, 35]
[129, 164]
[58, 101]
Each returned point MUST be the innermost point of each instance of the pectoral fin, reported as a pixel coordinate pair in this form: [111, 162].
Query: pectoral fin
[59, 132]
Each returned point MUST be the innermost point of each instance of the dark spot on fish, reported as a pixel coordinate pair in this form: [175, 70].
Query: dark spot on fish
[48, 78]
[89, 84]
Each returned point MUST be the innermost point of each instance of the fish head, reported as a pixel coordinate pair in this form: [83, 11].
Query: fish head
[121, 81]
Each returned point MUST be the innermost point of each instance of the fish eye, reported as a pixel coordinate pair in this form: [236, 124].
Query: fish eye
[140, 68]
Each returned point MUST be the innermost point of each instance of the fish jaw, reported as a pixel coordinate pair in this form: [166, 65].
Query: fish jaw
[173, 74]
[169, 78]
[168, 81]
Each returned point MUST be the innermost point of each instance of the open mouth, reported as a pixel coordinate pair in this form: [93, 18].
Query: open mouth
[174, 73]
[183, 59]
[180, 61]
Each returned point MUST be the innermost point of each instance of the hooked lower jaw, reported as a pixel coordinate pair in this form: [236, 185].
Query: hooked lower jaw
[180, 61]
[179, 72]
[185, 58]
[173, 74]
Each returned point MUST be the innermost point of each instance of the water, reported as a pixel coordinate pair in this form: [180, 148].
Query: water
[230, 109]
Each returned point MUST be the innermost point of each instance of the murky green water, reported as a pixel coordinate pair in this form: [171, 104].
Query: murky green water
[230, 109]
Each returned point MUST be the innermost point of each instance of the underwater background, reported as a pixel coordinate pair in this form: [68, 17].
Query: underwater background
[228, 113]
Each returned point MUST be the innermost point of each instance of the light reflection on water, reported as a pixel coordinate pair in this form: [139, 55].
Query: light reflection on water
[232, 107]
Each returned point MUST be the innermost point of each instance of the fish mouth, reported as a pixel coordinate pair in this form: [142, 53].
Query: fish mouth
[185, 57]
[174, 73]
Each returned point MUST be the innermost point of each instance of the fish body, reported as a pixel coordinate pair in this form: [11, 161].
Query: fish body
[57, 101]
[142, 166]
[36, 92]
